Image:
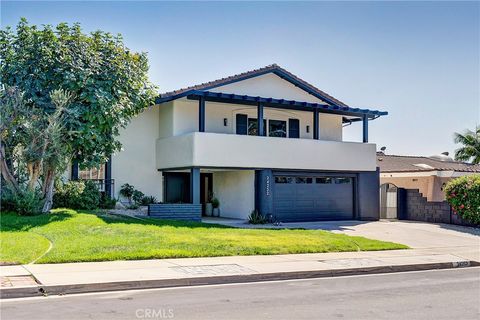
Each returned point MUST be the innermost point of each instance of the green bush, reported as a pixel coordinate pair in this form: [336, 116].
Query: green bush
[463, 194]
[76, 195]
[106, 202]
[137, 197]
[127, 191]
[148, 200]
[26, 203]
[256, 218]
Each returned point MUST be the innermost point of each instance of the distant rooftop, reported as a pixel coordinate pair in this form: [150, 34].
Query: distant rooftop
[396, 163]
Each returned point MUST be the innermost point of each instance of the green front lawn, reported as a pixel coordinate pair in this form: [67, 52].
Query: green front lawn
[83, 236]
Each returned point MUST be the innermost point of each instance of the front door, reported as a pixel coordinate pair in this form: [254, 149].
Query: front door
[206, 187]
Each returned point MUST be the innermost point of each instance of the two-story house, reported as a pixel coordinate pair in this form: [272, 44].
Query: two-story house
[264, 139]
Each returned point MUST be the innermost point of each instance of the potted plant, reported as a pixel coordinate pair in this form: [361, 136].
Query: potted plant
[216, 207]
[209, 206]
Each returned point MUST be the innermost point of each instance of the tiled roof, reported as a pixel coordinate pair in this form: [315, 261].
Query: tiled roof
[274, 68]
[395, 163]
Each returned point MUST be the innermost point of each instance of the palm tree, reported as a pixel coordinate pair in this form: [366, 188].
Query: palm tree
[471, 146]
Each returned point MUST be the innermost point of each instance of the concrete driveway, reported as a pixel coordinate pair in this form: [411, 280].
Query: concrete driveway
[431, 238]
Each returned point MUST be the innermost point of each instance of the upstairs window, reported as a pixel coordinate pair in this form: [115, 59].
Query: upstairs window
[253, 126]
[277, 128]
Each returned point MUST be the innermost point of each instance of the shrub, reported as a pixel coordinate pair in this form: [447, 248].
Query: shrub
[76, 195]
[146, 200]
[26, 203]
[137, 197]
[127, 191]
[256, 218]
[463, 194]
[106, 202]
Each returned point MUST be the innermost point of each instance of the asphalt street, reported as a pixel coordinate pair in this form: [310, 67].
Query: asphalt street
[438, 294]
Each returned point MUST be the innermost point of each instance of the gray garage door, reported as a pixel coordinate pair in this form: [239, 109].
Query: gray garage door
[310, 198]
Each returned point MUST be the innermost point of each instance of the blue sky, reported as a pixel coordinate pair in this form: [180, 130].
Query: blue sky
[420, 61]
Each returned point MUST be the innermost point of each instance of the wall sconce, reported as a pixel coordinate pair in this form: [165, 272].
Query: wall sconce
[308, 129]
[225, 122]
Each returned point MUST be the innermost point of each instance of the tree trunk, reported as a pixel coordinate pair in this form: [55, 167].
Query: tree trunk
[34, 169]
[6, 173]
[48, 190]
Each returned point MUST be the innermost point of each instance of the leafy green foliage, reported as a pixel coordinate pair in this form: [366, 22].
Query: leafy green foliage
[463, 194]
[215, 203]
[137, 196]
[107, 202]
[109, 83]
[146, 200]
[127, 191]
[470, 150]
[25, 203]
[77, 195]
[256, 218]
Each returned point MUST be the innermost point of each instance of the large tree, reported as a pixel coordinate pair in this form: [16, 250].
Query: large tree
[106, 85]
[470, 149]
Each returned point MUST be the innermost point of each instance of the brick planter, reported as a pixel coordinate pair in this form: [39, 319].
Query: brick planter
[176, 211]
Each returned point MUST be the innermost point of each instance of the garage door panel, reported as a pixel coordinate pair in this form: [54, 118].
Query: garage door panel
[330, 199]
[305, 204]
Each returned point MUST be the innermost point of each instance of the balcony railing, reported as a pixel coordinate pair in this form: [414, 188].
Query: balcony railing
[204, 149]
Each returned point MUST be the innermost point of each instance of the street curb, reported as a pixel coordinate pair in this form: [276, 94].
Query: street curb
[43, 290]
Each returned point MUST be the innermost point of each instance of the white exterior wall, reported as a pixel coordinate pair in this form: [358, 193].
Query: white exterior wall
[165, 116]
[186, 119]
[269, 86]
[136, 163]
[236, 192]
[331, 127]
[185, 116]
[202, 149]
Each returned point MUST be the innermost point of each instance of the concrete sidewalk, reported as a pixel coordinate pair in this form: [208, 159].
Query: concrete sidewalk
[68, 278]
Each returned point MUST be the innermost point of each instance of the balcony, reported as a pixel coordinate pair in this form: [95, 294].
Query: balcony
[214, 150]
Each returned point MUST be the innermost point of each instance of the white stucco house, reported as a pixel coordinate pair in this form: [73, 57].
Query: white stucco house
[264, 139]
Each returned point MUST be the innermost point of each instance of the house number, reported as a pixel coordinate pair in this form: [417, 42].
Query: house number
[267, 186]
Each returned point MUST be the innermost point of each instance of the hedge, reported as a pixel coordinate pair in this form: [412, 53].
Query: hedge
[463, 194]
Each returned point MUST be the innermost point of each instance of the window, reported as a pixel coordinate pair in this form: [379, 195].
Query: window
[323, 180]
[253, 126]
[92, 173]
[303, 180]
[281, 179]
[343, 180]
[277, 128]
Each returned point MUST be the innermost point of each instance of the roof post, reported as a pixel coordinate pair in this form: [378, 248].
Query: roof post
[365, 128]
[260, 128]
[316, 125]
[108, 178]
[201, 114]
[195, 185]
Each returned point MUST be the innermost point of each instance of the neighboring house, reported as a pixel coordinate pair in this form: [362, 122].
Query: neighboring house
[264, 139]
[427, 174]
